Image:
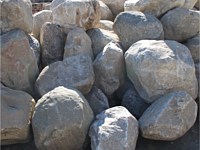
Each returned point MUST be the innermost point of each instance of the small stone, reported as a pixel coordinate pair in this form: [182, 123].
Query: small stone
[105, 24]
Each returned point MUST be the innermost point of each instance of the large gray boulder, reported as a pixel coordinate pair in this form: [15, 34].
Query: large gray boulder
[52, 43]
[109, 68]
[114, 129]
[77, 13]
[61, 120]
[74, 71]
[16, 14]
[134, 26]
[78, 42]
[169, 118]
[100, 38]
[19, 68]
[106, 13]
[160, 67]
[180, 24]
[16, 112]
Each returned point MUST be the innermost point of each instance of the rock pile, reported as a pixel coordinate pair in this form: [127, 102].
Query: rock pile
[100, 75]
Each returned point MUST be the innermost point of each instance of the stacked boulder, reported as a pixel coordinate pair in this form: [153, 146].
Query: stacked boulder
[100, 75]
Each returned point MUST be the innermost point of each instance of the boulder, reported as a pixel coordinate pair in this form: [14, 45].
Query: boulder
[19, 68]
[197, 72]
[52, 43]
[106, 13]
[114, 129]
[105, 24]
[78, 42]
[61, 120]
[169, 118]
[100, 38]
[194, 47]
[159, 67]
[74, 71]
[109, 68]
[97, 100]
[39, 19]
[180, 24]
[189, 4]
[16, 112]
[16, 14]
[134, 26]
[80, 13]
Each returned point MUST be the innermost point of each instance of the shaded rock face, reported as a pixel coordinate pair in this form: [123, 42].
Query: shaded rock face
[16, 112]
[84, 14]
[61, 120]
[197, 5]
[180, 24]
[109, 68]
[170, 117]
[16, 14]
[134, 26]
[106, 13]
[114, 129]
[74, 71]
[19, 68]
[159, 67]
[52, 43]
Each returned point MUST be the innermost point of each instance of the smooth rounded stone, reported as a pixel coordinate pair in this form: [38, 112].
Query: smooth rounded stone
[134, 26]
[109, 68]
[197, 5]
[106, 13]
[52, 43]
[78, 42]
[159, 67]
[180, 24]
[16, 112]
[97, 100]
[116, 6]
[114, 129]
[39, 19]
[61, 120]
[100, 38]
[169, 118]
[134, 103]
[19, 68]
[153, 7]
[105, 24]
[74, 71]
[194, 47]
[16, 14]
[189, 4]
[80, 13]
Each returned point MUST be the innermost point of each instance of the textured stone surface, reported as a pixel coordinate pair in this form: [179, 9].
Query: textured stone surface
[61, 120]
[74, 71]
[170, 117]
[81, 13]
[39, 19]
[134, 26]
[100, 38]
[180, 24]
[16, 14]
[114, 129]
[159, 67]
[197, 5]
[16, 112]
[189, 4]
[78, 42]
[106, 13]
[97, 100]
[19, 68]
[52, 43]
[105, 24]
[109, 68]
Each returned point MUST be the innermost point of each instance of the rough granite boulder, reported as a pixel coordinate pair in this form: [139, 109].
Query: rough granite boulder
[134, 26]
[77, 13]
[16, 112]
[106, 13]
[19, 68]
[159, 67]
[180, 24]
[169, 118]
[105, 24]
[16, 14]
[114, 129]
[61, 120]
[109, 68]
[74, 71]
